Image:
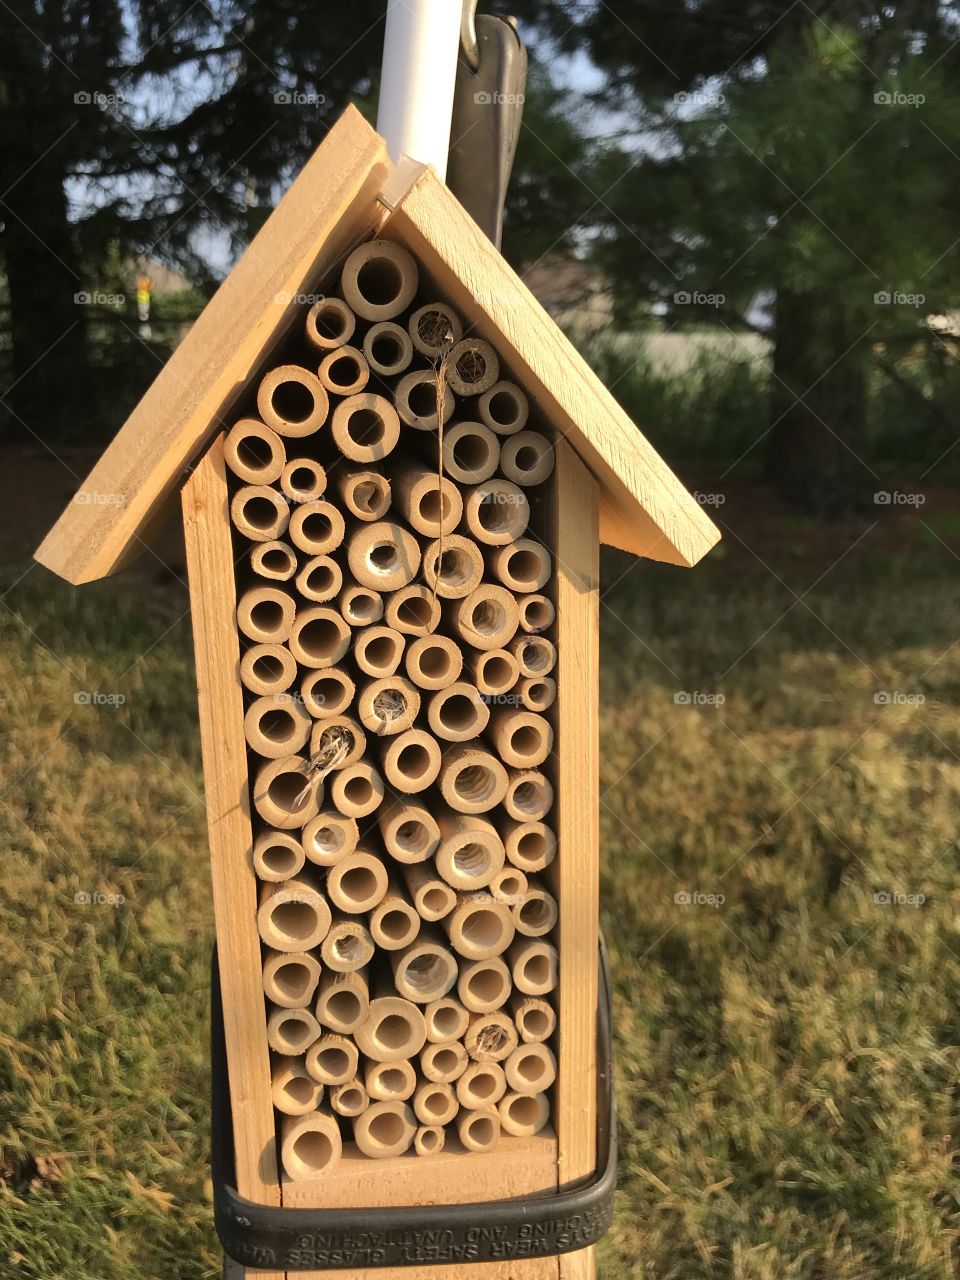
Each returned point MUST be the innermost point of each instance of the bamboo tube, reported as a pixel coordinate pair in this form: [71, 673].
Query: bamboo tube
[285, 794]
[496, 512]
[292, 401]
[411, 761]
[394, 923]
[521, 738]
[479, 927]
[360, 606]
[316, 528]
[494, 672]
[425, 970]
[538, 693]
[527, 458]
[536, 914]
[446, 1020]
[491, 1037]
[429, 503]
[536, 1019]
[479, 1130]
[377, 651]
[320, 579]
[523, 566]
[268, 668]
[415, 399]
[388, 706]
[276, 725]
[329, 837]
[291, 1031]
[365, 427]
[534, 965]
[412, 610]
[471, 452]
[529, 795]
[452, 566]
[310, 1146]
[388, 348]
[429, 1139]
[535, 655]
[385, 1129]
[379, 280]
[319, 637]
[290, 979]
[432, 898]
[434, 329]
[303, 480]
[410, 832]
[336, 743]
[457, 713]
[472, 780]
[383, 556]
[484, 985]
[327, 692]
[435, 1103]
[536, 614]
[433, 662]
[344, 371]
[487, 618]
[531, 846]
[343, 1001]
[330, 323]
[472, 367]
[504, 408]
[333, 1059]
[443, 1063]
[509, 886]
[531, 1068]
[357, 883]
[292, 1090]
[365, 494]
[348, 945]
[259, 513]
[470, 853]
[390, 1081]
[481, 1085]
[349, 1099]
[273, 560]
[356, 790]
[253, 452]
[277, 855]
[393, 1030]
[523, 1114]
[292, 916]
[265, 615]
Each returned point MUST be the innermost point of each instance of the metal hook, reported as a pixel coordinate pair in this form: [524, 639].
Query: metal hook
[469, 44]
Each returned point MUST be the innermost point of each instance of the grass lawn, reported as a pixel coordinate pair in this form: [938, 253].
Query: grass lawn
[787, 1043]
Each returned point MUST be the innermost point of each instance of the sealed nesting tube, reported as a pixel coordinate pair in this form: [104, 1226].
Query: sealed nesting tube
[316, 528]
[536, 614]
[411, 761]
[393, 1030]
[433, 662]
[446, 1020]
[452, 566]
[413, 610]
[523, 566]
[276, 725]
[409, 830]
[435, 1103]
[365, 427]
[484, 985]
[490, 1037]
[434, 329]
[394, 923]
[443, 1063]
[527, 458]
[531, 1068]
[390, 1081]
[253, 452]
[531, 846]
[356, 790]
[330, 323]
[479, 927]
[522, 739]
[293, 916]
[470, 853]
[471, 452]
[529, 795]
[535, 655]
[496, 512]
[388, 706]
[290, 978]
[536, 914]
[292, 1090]
[472, 367]
[472, 780]
[379, 280]
[292, 402]
[267, 668]
[536, 1018]
[415, 399]
[388, 348]
[333, 1059]
[481, 1085]
[349, 1099]
[457, 713]
[303, 480]
[348, 945]
[344, 371]
[534, 966]
[329, 837]
[479, 1130]
[430, 503]
[273, 560]
[277, 856]
[509, 885]
[320, 579]
[319, 637]
[365, 494]
[432, 898]
[425, 970]
[327, 692]
[383, 556]
[522, 1115]
[259, 513]
[291, 1031]
[385, 1129]
[487, 618]
[504, 408]
[377, 651]
[538, 693]
[310, 1146]
[494, 672]
[343, 1001]
[361, 606]
[357, 883]
[429, 1139]
[286, 794]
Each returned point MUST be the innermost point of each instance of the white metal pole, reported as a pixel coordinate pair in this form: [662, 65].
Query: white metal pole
[420, 47]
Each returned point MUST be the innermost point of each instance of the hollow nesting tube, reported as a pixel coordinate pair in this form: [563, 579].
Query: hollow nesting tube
[383, 555]
[531, 1068]
[415, 400]
[534, 966]
[316, 528]
[490, 1037]
[385, 1129]
[394, 922]
[379, 280]
[472, 367]
[429, 1139]
[377, 651]
[537, 613]
[521, 738]
[538, 693]
[292, 402]
[365, 427]
[265, 615]
[349, 1099]
[365, 494]
[535, 1018]
[457, 713]
[433, 662]
[327, 692]
[253, 452]
[479, 1130]
[529, 795]
[277, 855]
[481, 1085]
[504, 408]
[536, 914]
[320, 579]
[356, 790]
[522, 1115]
[390, 1081]
[291, 1031]
[494, 672]
[259, 513]
[360, 606]
[446, 1020]
[472, 780]
[303, 480]
[432, 898]
[344, 371]
[523, 566]
[393, 1029]
[471, 851]
[293, 916]
[413, 610]
[290, 978]
[484, 985]
[388, 348]
[329, 324]
[531, 846]
[443, 1063]
[509, 885]
[435, 1103]
[267, 668]
[274, 561]
[343, 1000]
[286, 794]
[471, 452]
[333, 1059]
[310, 1146]
[319, 637]
[527, 458]
[430, 503]
[452, 566]
[535, 655]
[409, 830]
[336, 742]
[329, 837]
[434, 328]
[479, 927]
[487, 618]
[276, 725]
[411, 761]
[292, 1090]
[348, 945]
[357, 883]
[389, 705]
[425, 970]
[496, 512]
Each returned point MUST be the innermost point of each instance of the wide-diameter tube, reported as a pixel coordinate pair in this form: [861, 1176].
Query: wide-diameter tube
[494, 672]
[416, 397]
[425, 970]
[537, 613]
[536, 1018]
[388, 348]
[484, 985]
[481, 1085]
[470, 853]
[390, 1081]
[290, 979]
[523, 566]
[329, 324]
[435, 1103]
[523, 1114]
[253, 452]
[383, 555]
[531, 1068]
[379, 280]
[457, 713]
[432, 898]
[377, 651]
[429, 502]
[348, 945]
[536, 914]
[413, 610]
[365, 494]
[409, 830]
[319, 637]
[487, 618]
[356, 790]
[490, 1037]
[277, 856]
[291, 401]
[333, 1059]
[303, 480]
[344, 371]
[385, 1129]
[293, 916]
[357, 883]
[411, 761]
[429, 1139]
[446, 1020]
[472, 780]
[327, 692]
[452, 566]
[291, 1031]
[531, 846]
[496, 512]
[479, 927]
[472, 367]
[433, 662]
[259, 513]
[504, 408]
[479, 1130]
[316, 527]
[521, 738]
[286, 794]
[365, 427]
[293, 1091]
[529, 795]
[310, 1146]
[443, 1063]
[276, 725]
[394, 1029]
[320, 579]
[534, 966]
[273, 560]
[349, 1099]
[265, 615]
[388, 706]
[434, 329]
[267, 668]
[471, 452]
[343, 1001]
[329, 837]
[394, 922]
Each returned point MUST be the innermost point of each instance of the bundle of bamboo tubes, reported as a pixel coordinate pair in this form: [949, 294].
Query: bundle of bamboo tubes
[389, 497]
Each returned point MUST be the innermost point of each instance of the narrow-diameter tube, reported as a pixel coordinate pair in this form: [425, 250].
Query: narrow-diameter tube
[504, 408]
